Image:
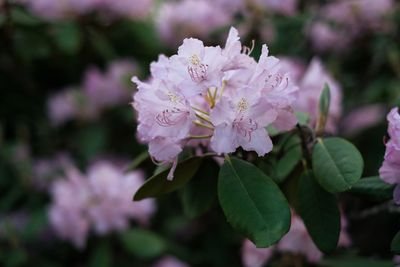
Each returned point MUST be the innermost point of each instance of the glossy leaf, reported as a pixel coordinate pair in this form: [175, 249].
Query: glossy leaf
[143, 243]
[395, 246]
[252, 202]
[320, 213]
[201, 191]
[337, 164]
[373, 187]
[159, 184]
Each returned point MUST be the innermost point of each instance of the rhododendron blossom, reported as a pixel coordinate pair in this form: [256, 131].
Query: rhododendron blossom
[390, 170]
[210, 93]
[99, 200]
[311, 82]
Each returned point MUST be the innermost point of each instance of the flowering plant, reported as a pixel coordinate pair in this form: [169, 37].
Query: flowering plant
[210, 102]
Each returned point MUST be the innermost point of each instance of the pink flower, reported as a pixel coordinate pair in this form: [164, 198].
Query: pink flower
[169, 261]
[198, 66]
[394, 126]
[326, 38]
[110, 205]
[362, 118]
[311, 86]
[221, 98]
[358, 14]
[390, 170]
[176, 20]
[100, 201]
[253, 256]
[109, 89]
[69, 104]
[297, 241]
[67, 212]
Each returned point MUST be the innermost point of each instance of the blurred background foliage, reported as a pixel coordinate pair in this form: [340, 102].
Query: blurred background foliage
[39, 57]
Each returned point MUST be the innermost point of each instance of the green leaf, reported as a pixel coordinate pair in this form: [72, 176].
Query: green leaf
[353, 261]
[289, 160]
[373, 187]
[101, 255]
[324, 101]
[302, 117]
[199, 194]
[395, 246]
[159, 184]
[143, 243]
[252, 202]
[138, 161]
[337, 164]
[67, 36]
[320, 213]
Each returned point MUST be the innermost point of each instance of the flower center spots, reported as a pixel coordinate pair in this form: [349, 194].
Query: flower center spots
[196, 69]
[245, 126]
[275, 80]
[171, 117]
[242, 105]
[194, 60]
[173, 98]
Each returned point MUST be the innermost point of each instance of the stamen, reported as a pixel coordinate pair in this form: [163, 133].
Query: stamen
[196, 69]
[201, 111]
[242, 105]
[199, 123]
[204, 118]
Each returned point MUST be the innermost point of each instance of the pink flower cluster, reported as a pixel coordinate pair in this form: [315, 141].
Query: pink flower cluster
[297, 241]
[178, 20]
[220, 96]
[351, 18]
[311, 82]
[61, 9]
[100, 200]
[100, 91]
[390, 170]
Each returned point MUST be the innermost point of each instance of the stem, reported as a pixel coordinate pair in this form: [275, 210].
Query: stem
[223, 88]
[304, 147]
[201, 111]
[211, 98]
[200, 136]
[199, 123]
[204, 118]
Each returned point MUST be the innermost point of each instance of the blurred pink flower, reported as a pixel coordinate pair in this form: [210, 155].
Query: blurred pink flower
[351, 18]
[101, 201]
[69, 104]
[169, 261]
[296, 241]
[362, 118]
[67, 211]
[253, 256]
[326, 38]
[390, 170]
[176, 20]
[358, 14]
[100, 91]
[60, 9]
[311, 86]
[109, 89]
